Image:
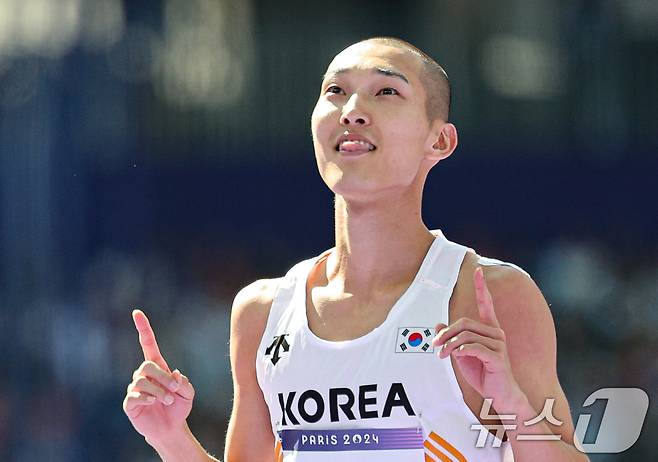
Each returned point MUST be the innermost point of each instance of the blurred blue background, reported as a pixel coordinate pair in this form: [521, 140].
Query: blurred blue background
[157, 154]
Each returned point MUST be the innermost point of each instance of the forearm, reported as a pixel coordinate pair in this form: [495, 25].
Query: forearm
[181, 448]
[526, 449]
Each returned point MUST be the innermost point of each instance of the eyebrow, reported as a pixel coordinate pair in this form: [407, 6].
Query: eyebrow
[379, 70]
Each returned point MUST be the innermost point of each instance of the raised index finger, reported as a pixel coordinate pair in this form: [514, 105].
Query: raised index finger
[147, 340]
[484, 299]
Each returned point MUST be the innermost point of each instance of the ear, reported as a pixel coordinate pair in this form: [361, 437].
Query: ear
[442, 141]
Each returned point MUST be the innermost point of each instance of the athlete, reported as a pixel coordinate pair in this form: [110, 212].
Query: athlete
[396, 344]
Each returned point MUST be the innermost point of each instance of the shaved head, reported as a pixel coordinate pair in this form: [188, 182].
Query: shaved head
[432, 76]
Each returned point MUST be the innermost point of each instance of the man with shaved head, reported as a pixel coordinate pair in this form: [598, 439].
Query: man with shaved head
[394, 345]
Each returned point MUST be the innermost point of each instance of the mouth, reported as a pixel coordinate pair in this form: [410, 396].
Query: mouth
[350, 144]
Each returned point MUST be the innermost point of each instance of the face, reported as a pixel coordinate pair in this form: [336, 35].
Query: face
[370, 129]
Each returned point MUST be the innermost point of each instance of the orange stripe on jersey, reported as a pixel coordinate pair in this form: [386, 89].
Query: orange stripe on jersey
[428, 458]
[447, 446]
[278, 453]
[436, 452]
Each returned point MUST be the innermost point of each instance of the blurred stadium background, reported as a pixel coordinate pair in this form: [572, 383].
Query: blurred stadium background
[157, 154]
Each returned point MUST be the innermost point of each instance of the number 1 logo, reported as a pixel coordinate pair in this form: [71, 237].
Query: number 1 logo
[622, 420]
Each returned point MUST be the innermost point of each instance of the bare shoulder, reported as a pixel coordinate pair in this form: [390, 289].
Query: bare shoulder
[519, 303]
[249, 313]
[507, 282]
[251, 308]
[520, 306]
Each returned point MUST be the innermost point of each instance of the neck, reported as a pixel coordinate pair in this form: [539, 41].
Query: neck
[379, 246]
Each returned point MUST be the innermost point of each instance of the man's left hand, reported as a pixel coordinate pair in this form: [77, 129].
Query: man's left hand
[480, 350]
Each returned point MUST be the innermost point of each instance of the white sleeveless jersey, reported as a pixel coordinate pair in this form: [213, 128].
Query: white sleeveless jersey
[385, 396]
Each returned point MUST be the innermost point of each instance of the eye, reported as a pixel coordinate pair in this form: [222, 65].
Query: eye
[388, 91]
[334, 89]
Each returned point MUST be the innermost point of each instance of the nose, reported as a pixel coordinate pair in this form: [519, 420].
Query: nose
[353, 113]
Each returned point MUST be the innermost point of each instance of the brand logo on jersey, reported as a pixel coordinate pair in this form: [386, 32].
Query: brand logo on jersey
[344, 403]
[414, 340]
[278, 346]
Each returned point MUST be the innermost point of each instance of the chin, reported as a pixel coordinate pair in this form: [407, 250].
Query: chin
[355, 189]
[355, 184]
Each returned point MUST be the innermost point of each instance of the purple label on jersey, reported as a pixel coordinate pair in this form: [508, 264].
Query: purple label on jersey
[364, 439]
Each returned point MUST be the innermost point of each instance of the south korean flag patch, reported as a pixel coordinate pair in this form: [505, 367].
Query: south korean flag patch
[414, 340]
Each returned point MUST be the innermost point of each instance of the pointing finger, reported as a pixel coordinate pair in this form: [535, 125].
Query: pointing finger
[147, 340]
[484, 300]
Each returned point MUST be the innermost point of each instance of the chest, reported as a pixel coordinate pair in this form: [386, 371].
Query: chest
[339, 317]
[335, 318]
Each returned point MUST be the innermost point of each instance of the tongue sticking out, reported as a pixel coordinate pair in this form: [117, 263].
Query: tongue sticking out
[355, 146]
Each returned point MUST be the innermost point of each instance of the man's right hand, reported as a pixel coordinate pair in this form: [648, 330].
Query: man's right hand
[157, 401]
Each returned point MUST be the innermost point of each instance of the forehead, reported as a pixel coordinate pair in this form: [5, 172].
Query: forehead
[369, 56]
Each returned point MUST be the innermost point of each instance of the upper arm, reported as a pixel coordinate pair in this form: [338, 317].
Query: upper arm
[531, 341]
[249, 434]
